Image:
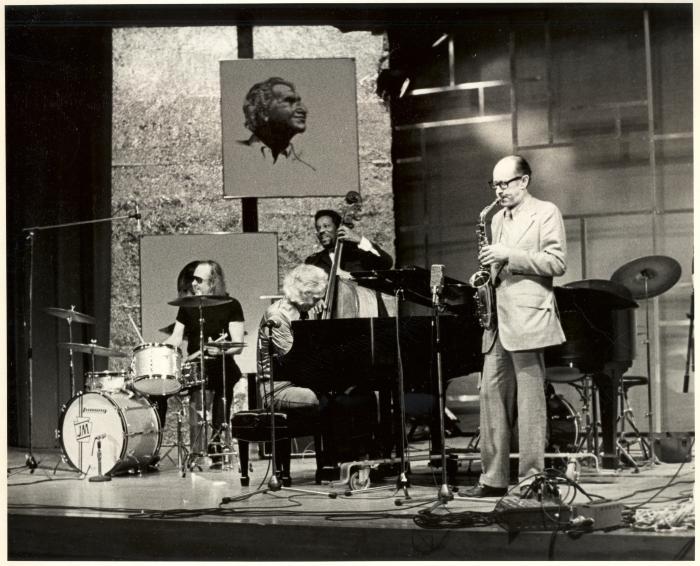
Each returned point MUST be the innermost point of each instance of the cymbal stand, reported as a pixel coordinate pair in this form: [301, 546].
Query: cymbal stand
[30, 461]
[689, 356]
[71, 368]
[274, 484]
[202, 459]
[650, 414]
[224, 431]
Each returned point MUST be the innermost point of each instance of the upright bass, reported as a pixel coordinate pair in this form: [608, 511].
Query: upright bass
[344, 298]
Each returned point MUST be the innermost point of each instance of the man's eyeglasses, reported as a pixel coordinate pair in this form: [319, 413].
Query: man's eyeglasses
[503, 185]
[199, 279]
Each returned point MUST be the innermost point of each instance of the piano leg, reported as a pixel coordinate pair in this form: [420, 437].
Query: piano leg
[608, 385]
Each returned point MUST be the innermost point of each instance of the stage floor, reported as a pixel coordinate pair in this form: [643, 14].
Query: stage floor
[55, 513]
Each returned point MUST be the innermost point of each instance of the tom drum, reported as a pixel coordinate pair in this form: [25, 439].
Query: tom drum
[108, 381]
[156, 369]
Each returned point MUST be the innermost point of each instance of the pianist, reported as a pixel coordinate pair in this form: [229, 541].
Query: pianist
[348, 419]
[528, 249]
[303, 288]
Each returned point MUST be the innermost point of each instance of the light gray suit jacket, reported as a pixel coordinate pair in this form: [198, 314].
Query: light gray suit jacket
[527, 313]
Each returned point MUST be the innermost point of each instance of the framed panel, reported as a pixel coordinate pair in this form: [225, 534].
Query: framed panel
[283, 148]
[249, 262]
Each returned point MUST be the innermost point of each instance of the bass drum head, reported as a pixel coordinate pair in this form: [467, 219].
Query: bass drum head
[562, 429]
[127, 428]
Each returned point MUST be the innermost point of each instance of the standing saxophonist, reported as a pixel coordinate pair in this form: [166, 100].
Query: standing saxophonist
[527, 252]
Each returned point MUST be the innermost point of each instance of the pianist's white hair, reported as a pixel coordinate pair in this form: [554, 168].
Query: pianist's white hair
[304, 279]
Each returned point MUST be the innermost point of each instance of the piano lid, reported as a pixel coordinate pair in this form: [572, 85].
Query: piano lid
[607, 294]
[415, 283]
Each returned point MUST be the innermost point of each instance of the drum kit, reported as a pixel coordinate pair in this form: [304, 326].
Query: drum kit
[642, 278]
[112, 426]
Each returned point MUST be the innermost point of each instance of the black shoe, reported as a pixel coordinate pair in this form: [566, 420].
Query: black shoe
[483, 490]
[286, 482]
[215, 466]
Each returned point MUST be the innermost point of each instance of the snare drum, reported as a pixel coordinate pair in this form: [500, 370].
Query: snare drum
[126, 425]
[191, 376]
[156, 369]
[108, 381]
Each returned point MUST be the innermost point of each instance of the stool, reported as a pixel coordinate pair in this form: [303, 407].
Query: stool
[627, 414]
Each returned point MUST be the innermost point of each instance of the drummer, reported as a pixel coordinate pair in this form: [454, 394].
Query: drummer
[219, 320]
[184, 289]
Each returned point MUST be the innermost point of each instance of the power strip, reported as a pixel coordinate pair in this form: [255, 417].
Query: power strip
[516, 514]
[596, 515]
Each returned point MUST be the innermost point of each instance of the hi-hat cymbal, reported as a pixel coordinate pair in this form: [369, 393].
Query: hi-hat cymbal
[70, 314]
[93, 349]
[200, 300]
[649, 276]
[225, 345]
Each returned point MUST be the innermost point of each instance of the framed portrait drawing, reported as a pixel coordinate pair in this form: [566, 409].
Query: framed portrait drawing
[289, 127]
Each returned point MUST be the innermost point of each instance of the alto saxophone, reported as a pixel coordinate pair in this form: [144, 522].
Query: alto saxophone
[484, 295]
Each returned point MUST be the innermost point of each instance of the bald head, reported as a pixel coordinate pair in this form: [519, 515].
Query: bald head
[511, 177]
[515, 164]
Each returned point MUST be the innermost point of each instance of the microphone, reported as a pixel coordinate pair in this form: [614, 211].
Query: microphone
[101, 436]
[272, 323]
[437, 280]
[137, 215]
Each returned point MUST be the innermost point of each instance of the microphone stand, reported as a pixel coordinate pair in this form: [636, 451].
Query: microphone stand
[30, 461]
[99, 477]
[444, 493]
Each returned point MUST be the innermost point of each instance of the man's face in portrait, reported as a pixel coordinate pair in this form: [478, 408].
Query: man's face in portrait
[326, 231]
[286, 109]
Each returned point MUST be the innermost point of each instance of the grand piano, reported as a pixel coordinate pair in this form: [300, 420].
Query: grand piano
[332, 355]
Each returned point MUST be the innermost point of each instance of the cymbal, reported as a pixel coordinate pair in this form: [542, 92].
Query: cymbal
[93, 349]
[167, 329]
[225, 345]
[200, 300]
[67, 314]
[649, 276]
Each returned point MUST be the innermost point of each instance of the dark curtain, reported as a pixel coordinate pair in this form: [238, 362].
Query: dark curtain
[58, 142]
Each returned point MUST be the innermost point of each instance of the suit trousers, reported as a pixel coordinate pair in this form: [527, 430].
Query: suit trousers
[510, 380]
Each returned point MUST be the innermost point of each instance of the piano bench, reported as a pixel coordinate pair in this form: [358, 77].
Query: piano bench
[255, 426]
[629, 381]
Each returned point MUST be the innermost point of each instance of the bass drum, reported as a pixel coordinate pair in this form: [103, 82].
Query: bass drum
[127, 426]
[562, 427]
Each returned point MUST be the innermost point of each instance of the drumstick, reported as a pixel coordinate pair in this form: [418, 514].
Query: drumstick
[194, 355]
[136, 328]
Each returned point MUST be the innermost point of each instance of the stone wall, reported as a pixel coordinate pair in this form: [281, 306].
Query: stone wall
[166, 147]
